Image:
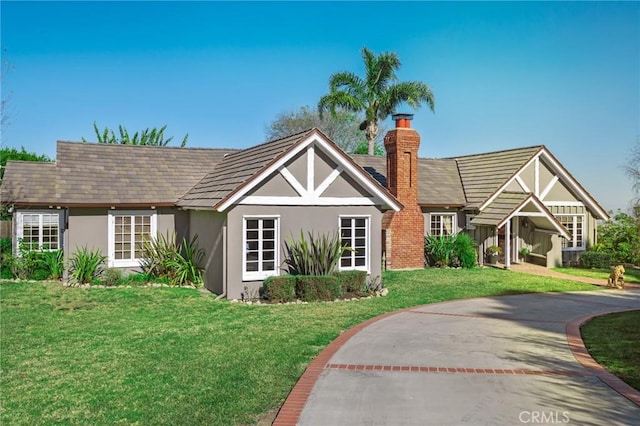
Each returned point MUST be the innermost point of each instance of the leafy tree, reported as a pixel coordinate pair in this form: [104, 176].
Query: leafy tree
[621, 237]
[341, 127]
[7, 153]
[152, 137]
[377, 95]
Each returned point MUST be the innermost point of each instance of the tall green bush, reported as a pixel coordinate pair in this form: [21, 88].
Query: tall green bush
[85, 265]
[450, 250]
[317, 256]
[186, 266]
[620, 237]
[52, 262]
[180, 264]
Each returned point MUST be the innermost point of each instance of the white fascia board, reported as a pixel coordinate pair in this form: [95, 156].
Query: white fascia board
[307, 201]
[256, 180]
[566, 177]
[356, 172]
[338, 157]
[545, 213]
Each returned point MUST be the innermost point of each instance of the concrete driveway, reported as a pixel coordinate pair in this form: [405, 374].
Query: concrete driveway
[505, 360]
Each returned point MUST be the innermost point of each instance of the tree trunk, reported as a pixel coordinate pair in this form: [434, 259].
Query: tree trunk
[371, 132]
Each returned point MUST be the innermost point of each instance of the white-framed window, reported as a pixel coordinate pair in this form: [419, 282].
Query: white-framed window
[575, 226]
[442, 224]
[354, 233]
[39, 231]
[260, 236]
[128, 230]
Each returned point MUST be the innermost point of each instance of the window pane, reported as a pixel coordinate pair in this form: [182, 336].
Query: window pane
[269, 224]
[252, 224]
[268, 266]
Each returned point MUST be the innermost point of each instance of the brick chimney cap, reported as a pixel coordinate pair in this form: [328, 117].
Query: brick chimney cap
[402, 116]
[403, 120]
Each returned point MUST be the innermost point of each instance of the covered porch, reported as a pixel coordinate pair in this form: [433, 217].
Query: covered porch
[514, 221]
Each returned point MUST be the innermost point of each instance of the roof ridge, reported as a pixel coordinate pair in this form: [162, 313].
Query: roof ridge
[539, 147]
[151, 147]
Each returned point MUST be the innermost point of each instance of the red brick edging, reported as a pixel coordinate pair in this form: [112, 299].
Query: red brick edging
[292, 408]
[574, 339]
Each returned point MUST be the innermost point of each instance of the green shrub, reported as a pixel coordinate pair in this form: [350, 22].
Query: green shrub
[111, 276]
[157, 254]
[52, 262]
[464, 250]
[352, 281]
[595, 259]
[6, 245]
[318, 256]
[280, 288]
[180, 263]
[185, 268]
[310, 288]
[39, 274]
[85, 265]
[450, 250]
[24, 265]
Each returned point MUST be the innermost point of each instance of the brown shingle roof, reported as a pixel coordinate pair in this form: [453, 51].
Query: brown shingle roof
[29, 182]
[484, 174]
[235, 170]
[438, 180]
[107, 174]
[504, 204]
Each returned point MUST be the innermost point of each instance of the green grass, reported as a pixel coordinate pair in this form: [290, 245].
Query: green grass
[171, 356]
[630, 276]
[612, 340]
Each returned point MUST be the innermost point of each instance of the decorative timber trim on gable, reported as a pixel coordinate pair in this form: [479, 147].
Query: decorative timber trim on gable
[308, 193]
[508, 205]
[561, 175]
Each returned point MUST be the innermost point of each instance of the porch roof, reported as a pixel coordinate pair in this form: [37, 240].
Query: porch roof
[522, 204]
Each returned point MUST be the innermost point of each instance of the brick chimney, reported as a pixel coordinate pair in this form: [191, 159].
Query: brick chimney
[404, 245]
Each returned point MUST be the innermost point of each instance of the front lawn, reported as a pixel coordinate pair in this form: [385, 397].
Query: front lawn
[172, 356]
[612, 340]
[630, 276]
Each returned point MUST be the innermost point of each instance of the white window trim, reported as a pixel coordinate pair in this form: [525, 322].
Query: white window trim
[260, 275]
[20, 229]
[454, 221]
[583, 246]
[111, 245]
[367, 259]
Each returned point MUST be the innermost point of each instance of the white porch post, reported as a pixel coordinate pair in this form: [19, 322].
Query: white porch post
[507, 244]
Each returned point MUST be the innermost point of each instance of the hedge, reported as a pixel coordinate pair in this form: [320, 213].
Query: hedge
[595, 259]
[310, 288]
[352, 281]
[280, 288]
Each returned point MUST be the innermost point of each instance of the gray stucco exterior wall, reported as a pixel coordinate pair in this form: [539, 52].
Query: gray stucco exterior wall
[292, 219]
[88, 227]
[210, 226]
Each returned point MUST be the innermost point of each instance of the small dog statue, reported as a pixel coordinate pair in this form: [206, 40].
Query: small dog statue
[616, 279]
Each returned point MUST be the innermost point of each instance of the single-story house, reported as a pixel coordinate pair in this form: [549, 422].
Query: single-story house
[243, 204]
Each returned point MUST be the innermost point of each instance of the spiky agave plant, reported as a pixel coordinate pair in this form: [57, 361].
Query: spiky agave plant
[317, 256]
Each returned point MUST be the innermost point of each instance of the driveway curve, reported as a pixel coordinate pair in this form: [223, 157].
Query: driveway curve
[504, 360]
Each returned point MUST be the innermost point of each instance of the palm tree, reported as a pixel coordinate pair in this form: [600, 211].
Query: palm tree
[377, 95]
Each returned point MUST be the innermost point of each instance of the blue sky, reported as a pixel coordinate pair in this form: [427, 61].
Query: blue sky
[505, 75]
